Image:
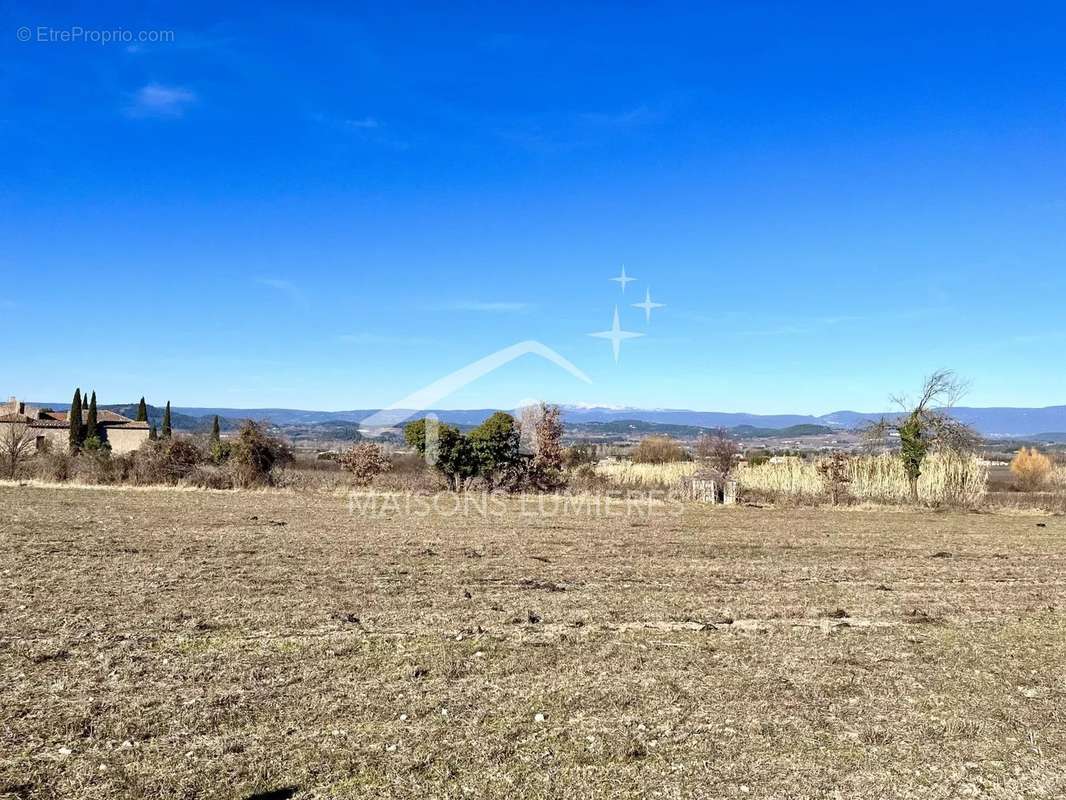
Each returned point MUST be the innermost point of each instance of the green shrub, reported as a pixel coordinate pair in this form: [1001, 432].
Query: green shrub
[220, 450]
[94, 443]
[452, 456]
[494, 449]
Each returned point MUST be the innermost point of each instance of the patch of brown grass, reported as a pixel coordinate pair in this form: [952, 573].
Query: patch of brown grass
[217, 644]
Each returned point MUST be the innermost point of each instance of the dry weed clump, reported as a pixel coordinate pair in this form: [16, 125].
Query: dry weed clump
[1031, 468]
[55, 467]
[167, 461]
[170, 462]
[587, 479]
[1057, 478]
[255, 455]
[365, 461]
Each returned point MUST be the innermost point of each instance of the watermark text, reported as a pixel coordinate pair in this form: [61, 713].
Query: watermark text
[614, 504]
[76, 34]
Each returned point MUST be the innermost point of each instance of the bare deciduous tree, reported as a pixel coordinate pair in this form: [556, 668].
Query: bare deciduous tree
[718, 450]
[541, 434]
[17, 445]
[926, 423]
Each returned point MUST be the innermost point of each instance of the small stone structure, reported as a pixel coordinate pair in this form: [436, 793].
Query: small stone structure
[710, 489]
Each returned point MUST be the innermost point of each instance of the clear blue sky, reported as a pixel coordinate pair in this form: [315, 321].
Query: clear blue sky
[329, 209]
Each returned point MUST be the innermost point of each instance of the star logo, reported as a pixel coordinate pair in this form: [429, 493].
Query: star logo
[648, 305]
[623, 279]
[616, 334]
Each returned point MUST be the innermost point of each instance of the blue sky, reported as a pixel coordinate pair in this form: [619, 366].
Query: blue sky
[329, 209]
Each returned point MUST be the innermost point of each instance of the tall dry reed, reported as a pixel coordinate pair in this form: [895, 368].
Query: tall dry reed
[646, 476]
[947, 479]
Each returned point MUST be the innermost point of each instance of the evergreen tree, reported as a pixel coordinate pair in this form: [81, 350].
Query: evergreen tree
[153, 434]
[74, 420]
[142, 411]
[166, 422]
[495, 443]
[91, 419]
[218, 452]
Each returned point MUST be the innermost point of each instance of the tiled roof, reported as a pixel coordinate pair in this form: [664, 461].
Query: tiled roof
[110, 416]
[103, 415]
[59, 419]
[31, 422]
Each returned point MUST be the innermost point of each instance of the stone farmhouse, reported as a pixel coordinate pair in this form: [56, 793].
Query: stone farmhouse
[50, 429]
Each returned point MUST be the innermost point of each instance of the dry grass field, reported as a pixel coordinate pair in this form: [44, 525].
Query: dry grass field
[171, 644]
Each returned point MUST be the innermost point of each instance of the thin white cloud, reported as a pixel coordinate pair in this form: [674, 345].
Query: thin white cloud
[364, 124]
[288, 288]
[367, 130]
[157, 100]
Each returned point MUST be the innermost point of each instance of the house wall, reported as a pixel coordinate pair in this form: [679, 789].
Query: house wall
[58, 439]
[54, 438]
[122, 440]
[125, 440]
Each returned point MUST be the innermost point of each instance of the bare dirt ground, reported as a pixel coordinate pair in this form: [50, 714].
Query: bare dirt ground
[173, 644]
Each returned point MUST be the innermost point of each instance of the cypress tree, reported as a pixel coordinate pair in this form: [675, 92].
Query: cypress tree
[217, 453]
[74, 420]
[142, 411]
[166, 422]
[153, 434]
[90, 420]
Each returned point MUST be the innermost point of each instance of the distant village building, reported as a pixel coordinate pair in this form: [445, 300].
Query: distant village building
[51, 430]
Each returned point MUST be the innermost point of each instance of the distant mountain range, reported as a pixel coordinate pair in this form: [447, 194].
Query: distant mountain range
[178, 420]
[635, 427]
[992, 422]
[996, 422]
